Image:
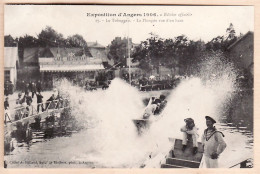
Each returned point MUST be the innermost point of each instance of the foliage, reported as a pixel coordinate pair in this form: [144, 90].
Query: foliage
[151, 53]
[180, 51]
[28, 41]
[118, 50]
[9, 41]
[156, 51]
[50, 37]
[76, 40]
[222, 42]
[47, 37]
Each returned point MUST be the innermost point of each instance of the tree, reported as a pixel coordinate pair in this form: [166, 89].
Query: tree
[28, 41]
[172, 53]
[216, 43]
[118, 50]
[9, 41]
[180, 49]
[49, 36]
[150, 53]
[76, 41]
[155, 50]
[140, 54]
[230, 32]
[223, 42]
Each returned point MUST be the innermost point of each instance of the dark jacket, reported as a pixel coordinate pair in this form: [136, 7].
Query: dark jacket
[6, 104]
[26, 89]
[50, 99]
[33, 88]
[39, 86]
[39, 98]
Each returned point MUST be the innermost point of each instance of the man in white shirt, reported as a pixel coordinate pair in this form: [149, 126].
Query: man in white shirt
[190, 130]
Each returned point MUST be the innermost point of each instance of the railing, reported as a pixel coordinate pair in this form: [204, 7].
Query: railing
[243, 164]
[23, 112]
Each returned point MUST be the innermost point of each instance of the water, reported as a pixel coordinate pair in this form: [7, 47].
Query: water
[110, 138]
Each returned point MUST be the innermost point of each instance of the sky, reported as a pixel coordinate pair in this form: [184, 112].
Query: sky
[196, 22]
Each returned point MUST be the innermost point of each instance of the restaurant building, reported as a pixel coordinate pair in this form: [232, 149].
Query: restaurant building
[75, 64]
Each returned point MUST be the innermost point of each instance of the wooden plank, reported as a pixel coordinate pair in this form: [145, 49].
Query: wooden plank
[31, 119]
[140, 121]
[242, 164]
[178, 145]
[183, 163]
[188, 153]
[183, 159]
[170, 166]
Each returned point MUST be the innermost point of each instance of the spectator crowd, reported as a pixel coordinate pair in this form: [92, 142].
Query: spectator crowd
[23, 104]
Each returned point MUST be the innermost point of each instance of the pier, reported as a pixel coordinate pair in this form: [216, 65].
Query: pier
[20, 122]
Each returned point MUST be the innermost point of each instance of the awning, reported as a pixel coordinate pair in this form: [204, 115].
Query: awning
[70, 68]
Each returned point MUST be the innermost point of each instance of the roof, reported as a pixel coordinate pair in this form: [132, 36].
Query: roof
[10, 56]
[70, 68]
[95, 45]
[32, 54]
[46, 52]
[64, 52]
[98, 53]
[240, 39]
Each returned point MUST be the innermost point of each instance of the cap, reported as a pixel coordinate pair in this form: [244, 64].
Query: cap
[189, 120]
[210, 118]
[162, 97]
[156, 101]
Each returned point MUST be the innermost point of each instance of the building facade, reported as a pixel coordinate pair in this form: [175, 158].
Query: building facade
[49, 64]
[11, 62]
[74, 64]
[242, 52]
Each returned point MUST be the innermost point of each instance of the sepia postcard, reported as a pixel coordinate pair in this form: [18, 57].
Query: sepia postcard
[128, 86]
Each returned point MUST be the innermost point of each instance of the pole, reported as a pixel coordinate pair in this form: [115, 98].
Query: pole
[129, 55]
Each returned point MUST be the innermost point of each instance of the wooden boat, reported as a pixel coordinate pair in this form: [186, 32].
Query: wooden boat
[183, 159]
[176, 158]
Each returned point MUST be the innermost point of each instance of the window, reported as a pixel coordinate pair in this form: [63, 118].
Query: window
[90, 74]
[7, 75]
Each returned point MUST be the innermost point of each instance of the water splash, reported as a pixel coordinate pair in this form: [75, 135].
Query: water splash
[207, 93]
[111, 138]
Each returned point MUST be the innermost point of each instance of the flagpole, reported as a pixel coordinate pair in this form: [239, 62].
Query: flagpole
[129, 63]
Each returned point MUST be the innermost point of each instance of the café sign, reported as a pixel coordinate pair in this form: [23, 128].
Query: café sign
[71, 57]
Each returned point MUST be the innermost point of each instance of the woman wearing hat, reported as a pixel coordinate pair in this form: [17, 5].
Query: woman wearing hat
[190, 130]
[213, 143]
